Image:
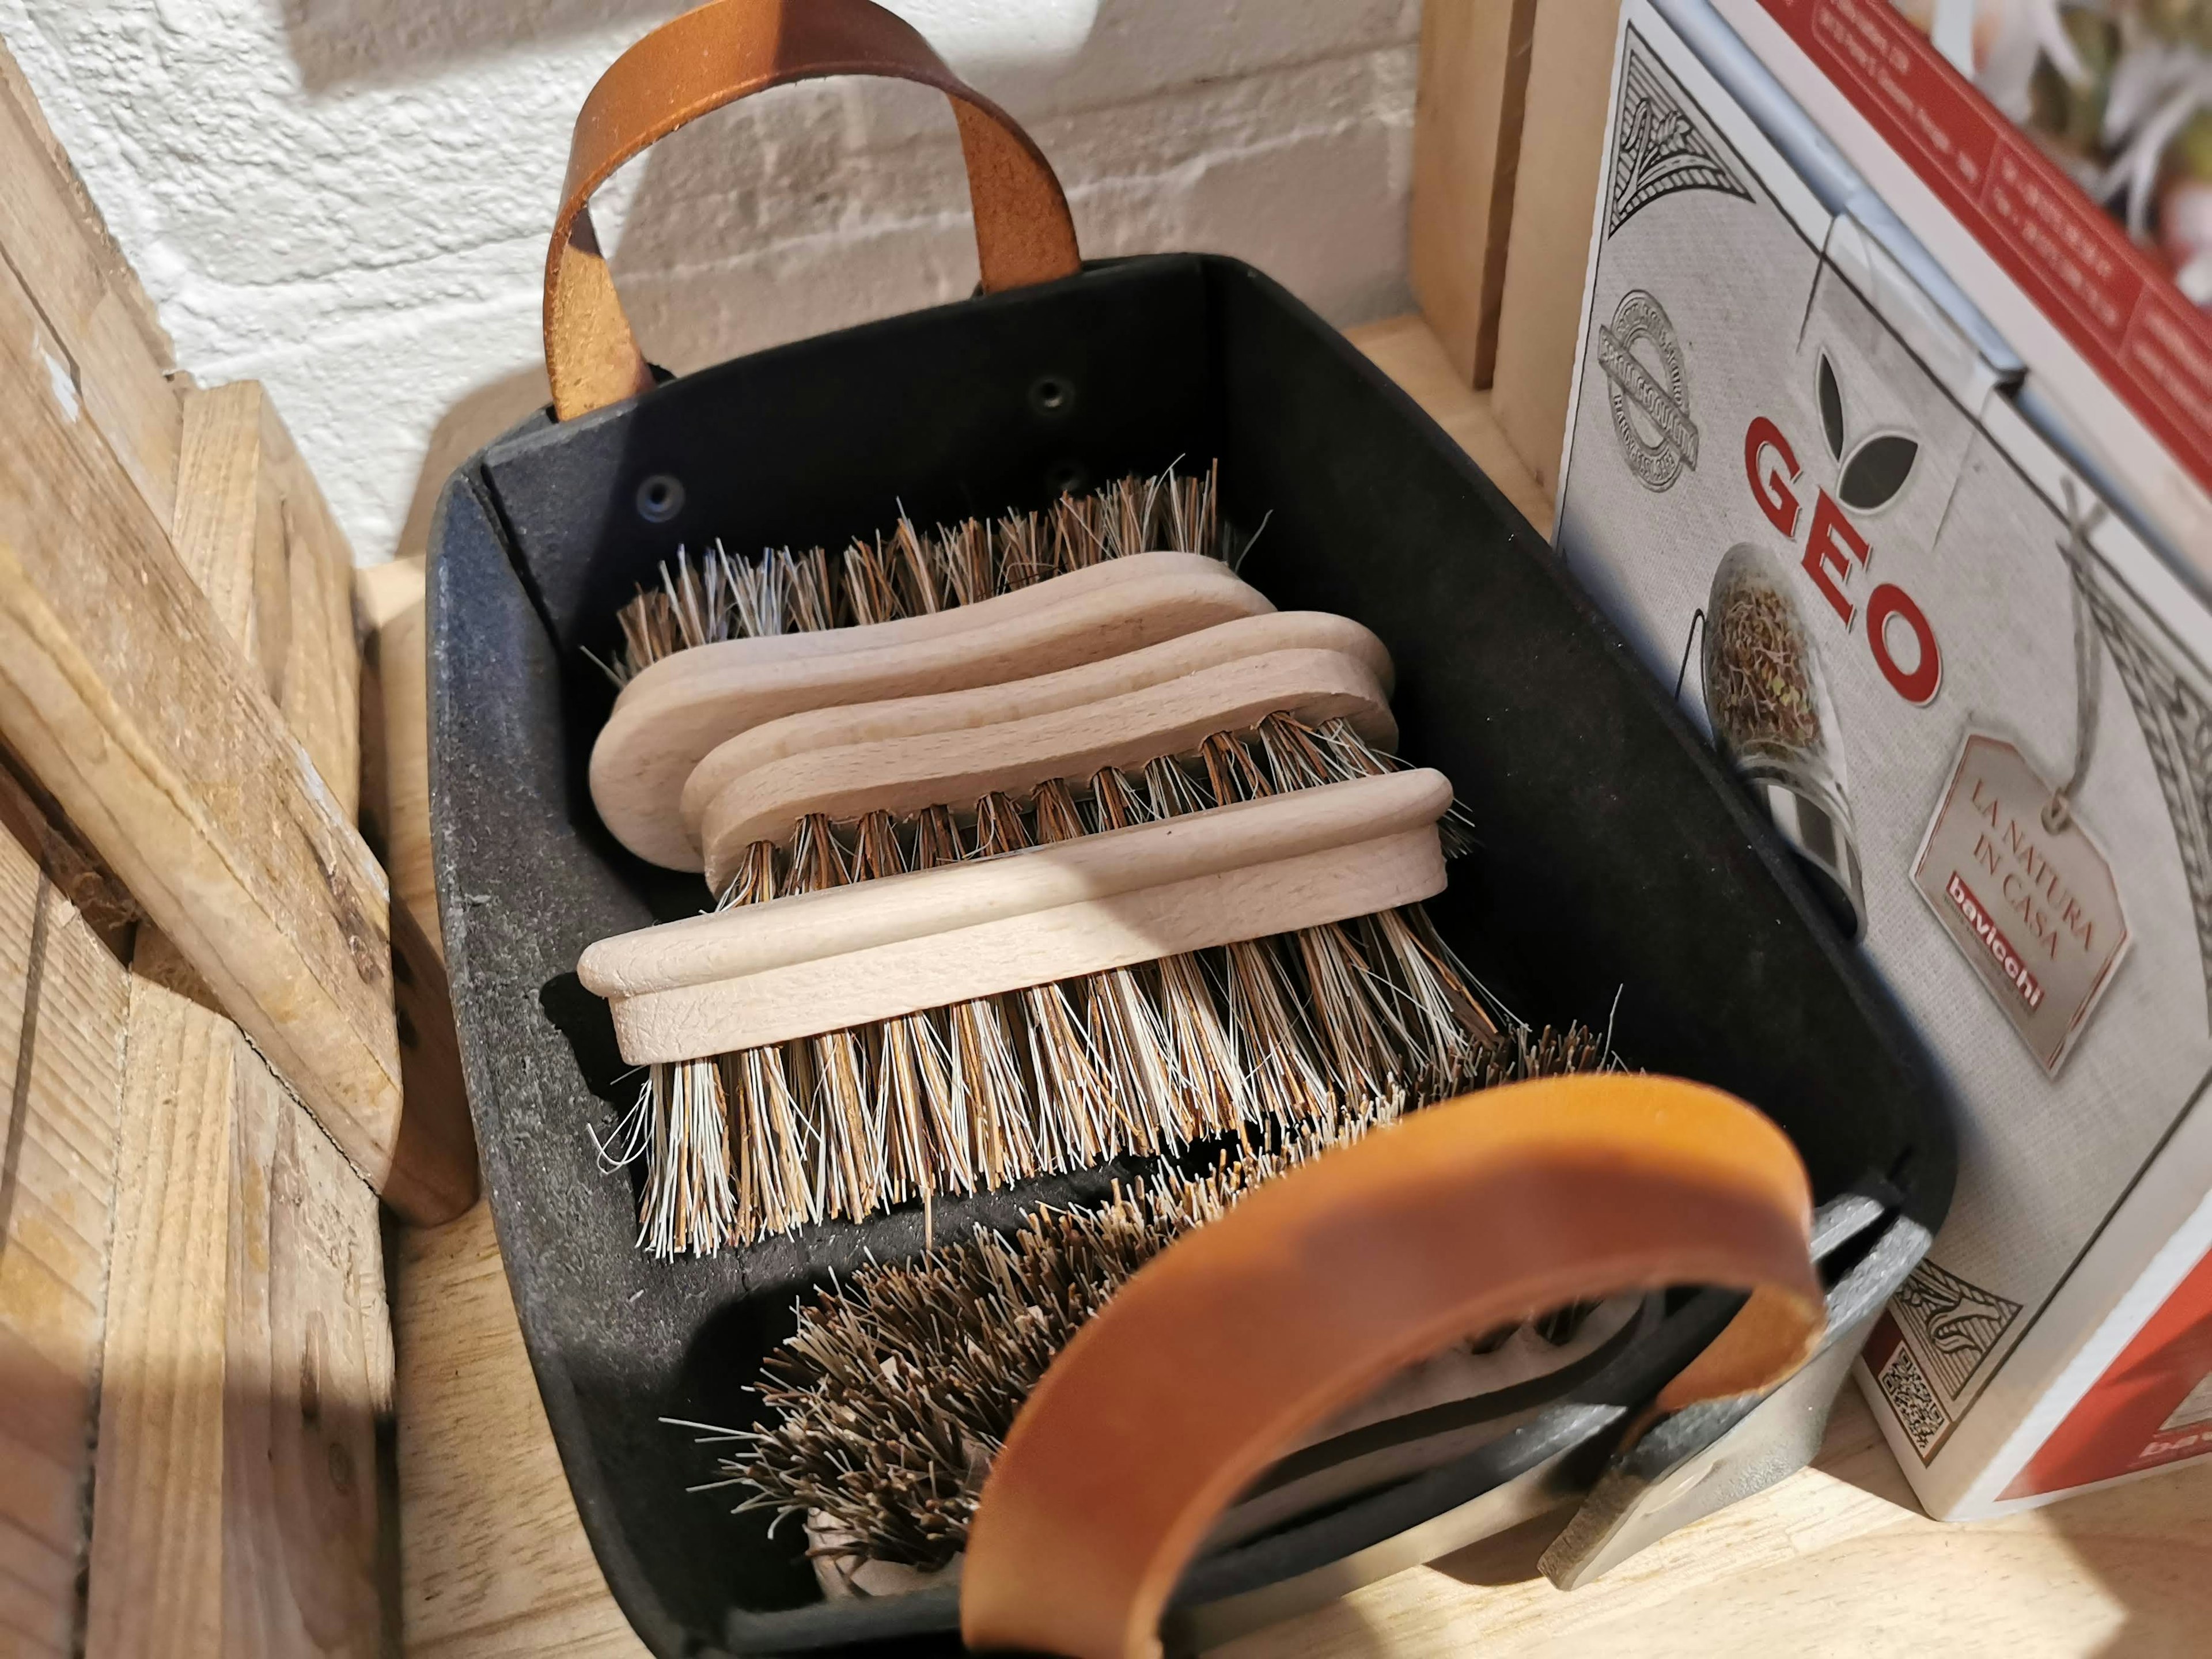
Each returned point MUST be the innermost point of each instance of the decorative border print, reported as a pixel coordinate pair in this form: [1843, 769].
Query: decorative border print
[1660, 151]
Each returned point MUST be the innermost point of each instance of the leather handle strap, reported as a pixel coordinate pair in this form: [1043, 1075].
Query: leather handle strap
[1320, 1287]
[728, 50]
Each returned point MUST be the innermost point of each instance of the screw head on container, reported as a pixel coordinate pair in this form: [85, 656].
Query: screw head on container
[1052, 394]
[659, 498]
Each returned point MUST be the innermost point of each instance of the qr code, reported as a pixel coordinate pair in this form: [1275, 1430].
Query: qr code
[1921, 1415]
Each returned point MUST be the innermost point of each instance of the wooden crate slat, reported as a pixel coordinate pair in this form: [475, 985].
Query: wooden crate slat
[494, 1558]
[154, 1585]
[396, 814]
[105, 342]
[321, 696]
[1554, 206]
[249, 1359]
[307, 1353]
[119, 689]
[225, 527]
[253, 532]
[62, 997]
[31, 1624]
[1467, 149]
[396, 716]
[41, 1406]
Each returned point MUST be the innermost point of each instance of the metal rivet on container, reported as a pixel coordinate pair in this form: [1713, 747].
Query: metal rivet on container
[659, 498]
[1052, 394]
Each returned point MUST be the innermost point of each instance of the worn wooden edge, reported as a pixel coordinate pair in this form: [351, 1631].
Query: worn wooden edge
[1554, 207]
[154, 1578]
[63, 996]
[1466, 148]
[241, 1497]
[321, 678]
[110, 347]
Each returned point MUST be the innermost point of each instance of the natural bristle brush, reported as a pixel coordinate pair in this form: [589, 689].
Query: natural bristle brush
[903, 773]
[971, 606]
[988, 705]
[889, 1403]
[722, 597]
[865, 1047]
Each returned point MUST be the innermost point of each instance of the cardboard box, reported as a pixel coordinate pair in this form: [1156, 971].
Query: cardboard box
[2115, 348]
[1798, 478]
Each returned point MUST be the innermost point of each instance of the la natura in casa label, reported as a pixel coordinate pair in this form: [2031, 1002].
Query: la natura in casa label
[2021, 889]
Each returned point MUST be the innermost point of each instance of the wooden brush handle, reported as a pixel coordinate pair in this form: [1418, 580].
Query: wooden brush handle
[1067, 588]
[820, 961]
[956, 769]
[1320, 1287]
[659, 732]
[949, 711]
[730, 49]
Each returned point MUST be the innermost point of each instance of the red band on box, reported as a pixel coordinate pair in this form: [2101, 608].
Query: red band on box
[2109, 298]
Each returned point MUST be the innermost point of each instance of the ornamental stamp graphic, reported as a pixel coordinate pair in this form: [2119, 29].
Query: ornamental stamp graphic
[1956, 1324]
[1643, 364]
[1660, 151]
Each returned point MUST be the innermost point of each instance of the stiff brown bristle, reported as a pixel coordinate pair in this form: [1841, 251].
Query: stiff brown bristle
[899, 1386]
[900, 1383]
[1285, 1031]
[718, 596]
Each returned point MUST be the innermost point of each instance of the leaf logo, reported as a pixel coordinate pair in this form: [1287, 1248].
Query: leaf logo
[1878, 469]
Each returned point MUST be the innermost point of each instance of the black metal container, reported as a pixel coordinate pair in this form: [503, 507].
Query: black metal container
[1620, 876]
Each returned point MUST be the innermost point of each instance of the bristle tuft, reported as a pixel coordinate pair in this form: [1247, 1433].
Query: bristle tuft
[902, 1380]
[905, 573]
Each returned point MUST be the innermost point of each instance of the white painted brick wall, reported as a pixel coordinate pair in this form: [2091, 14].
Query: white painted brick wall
[348, 199]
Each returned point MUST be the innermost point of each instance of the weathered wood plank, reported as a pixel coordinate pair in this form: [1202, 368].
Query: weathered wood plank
[229, 527]
[253, 532]
[308, 1355]
[248, 1359]
[245, 488]
[495, 1560]
[154, 1586]
[118, 688]
[321, 677]
[109, 348]
[63, 996]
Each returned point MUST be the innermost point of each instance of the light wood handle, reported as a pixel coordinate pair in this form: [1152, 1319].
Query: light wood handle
[1326, 1282]
[657, 734]
[956, 769]
[820, 961]
[949, 711]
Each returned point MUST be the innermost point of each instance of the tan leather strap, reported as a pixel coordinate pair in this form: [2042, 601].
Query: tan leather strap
[728, 50]
[1325, 1283]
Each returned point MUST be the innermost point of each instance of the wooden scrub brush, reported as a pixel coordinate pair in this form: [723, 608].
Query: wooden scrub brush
[1072, 688]
[973, 605]
[861, 1046]
[887, 1405]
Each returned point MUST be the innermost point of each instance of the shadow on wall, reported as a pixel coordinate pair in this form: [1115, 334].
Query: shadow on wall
[817, 206]
[357, 42]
